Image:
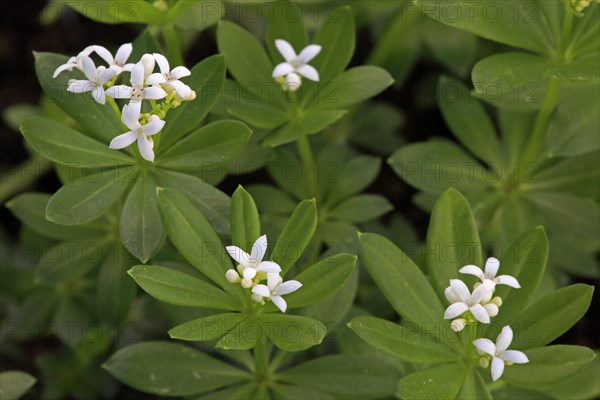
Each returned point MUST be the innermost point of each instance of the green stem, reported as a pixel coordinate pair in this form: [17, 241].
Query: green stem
[114, 106]
[308, 164]
[23, 176]
[174, 50]
[261, 358]
[566, 34]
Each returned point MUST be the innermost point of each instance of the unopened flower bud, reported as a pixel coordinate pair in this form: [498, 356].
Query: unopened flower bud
[458, 324]
[246, 283]
[232, 276]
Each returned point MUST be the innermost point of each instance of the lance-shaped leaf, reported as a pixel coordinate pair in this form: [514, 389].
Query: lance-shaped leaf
[441, 382]
[208, 328]
[281, 26]
[292, 332]
[116, 291]
[245, 222]
[309, 123]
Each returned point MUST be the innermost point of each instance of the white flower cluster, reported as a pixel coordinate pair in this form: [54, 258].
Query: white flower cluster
[145, 85]
[289, 73]
[251, 270]
[479, 306]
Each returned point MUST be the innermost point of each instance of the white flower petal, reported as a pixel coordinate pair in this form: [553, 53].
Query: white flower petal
[259, 248]
[68, 66]
[282, 69]
[123, 53]
[497, 368]
[136, 106]
[122, 141]
[454, 310]
[80, 86]
[183, 90]
[292, 82]
[104, 54]
[288, 287]
[508, 280]
[261, 290]
[279, 302]
[128, 67]
[155, 79]
[286, 50]
[239, 255]
[162, 62]
[153, 127]
[273, 280]
[451, 296]
[309, 52]
[119, 92]
[249, 273]
[130, 117]
[99, 95]
[148, 62]
[89, 68]
[137, 75]
[107, 75]
[515, 356]
[145, 147]
[504, 339]
[491, 309]
[154, 93]
[460, 289]
[180, 72]
[480, 314]
[309, 72]
[269, 267]
[485, 345]
[472, 270]
[491, 267]
[480, 292]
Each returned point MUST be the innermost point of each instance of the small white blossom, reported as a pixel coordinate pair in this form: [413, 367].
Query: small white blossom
[296, 66]
[140, 133]
[462, 301]
[251, 264]
[489, 276]
[119, 61]
[500, 354]
[96, 78]
[136, 92]
[170, 77]
[74, 62]
[274, 289]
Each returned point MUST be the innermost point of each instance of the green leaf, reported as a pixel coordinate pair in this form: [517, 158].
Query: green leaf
[272, 200]
[525, 259]
[345, 376]
[551, 316]
[437, 165]
[213, 203]
[292, 332]
[354, 86]
[512, 80]
[208, 328]
[64, 145]
[311, 122]
[200, 15]
[441, 382]
[14, 384]
[115, 290]
[172, 369]
[136, 11]
[285, 23]
[245, 56]
[468, 120]
[361, 208]
[68, 261]
[242, 337]
[215, 143]
[245, 222]
[514, 22]
[321, 280]
[452, 239]
[290, 392]
[206, 80]
[298, 231]
[194, 238]
[180, 289]
[405, 342]
[356, 175]
[140, 227]
[583, 385]
[401, 281]
[251, 108]
[30, 209]
[337, 38]
[87, 198]
[98, 119]
[474, 387]
[548, 365]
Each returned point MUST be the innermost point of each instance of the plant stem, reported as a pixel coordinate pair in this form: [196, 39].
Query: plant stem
[566, 34]
[23, 176]
[114, 106]
[308, 164]
[261, 358]
[174, 50]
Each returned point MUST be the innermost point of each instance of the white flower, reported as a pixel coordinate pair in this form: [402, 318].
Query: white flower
[97, 77]
[500, 354]
[148, 62]
[489, 276]
[139, 132]
[251, 264]
[170, 77]
[136, 92]
[119, 61]
[462, 301]
[74, 62]
[296, 66]
[274, 289]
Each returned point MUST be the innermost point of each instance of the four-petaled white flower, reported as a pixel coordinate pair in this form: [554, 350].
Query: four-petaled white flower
[274, 289]
[491, 269]
[500, 354]
[462, 301]
[74, 62]
[136, 92]
[296, 66]
[119, 61]
[170, 77]
[139, 132]
[251, 264]
[96, 78]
